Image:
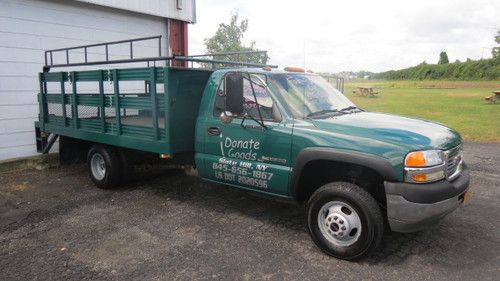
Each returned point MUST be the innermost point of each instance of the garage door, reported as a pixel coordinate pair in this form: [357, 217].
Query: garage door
[27, 28]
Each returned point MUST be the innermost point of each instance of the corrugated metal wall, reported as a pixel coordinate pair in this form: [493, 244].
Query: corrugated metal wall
[27, 28]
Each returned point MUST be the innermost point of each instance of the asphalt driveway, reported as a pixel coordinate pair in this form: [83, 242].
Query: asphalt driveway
[54, 224]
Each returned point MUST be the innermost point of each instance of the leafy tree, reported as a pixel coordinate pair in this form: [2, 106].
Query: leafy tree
[363, 74]
[443, 58]
[495, 52]
[228, 38]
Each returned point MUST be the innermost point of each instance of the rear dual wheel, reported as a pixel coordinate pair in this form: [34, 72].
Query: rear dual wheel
[105, 166]
[344, 220]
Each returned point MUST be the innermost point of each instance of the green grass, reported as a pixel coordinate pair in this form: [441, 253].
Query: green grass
[457, 104]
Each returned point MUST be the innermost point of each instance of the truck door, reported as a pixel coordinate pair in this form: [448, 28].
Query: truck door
[251, 149]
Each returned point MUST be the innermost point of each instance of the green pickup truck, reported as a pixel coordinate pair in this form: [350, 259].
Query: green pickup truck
[285, 133]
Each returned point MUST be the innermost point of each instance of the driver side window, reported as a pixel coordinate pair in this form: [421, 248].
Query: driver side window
[236, 94]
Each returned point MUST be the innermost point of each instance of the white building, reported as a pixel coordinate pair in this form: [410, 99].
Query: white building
[28, 27]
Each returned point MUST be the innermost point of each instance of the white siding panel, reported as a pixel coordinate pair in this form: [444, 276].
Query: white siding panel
[161, 8]
[14, 40]
[7, 126]
[18, 54]
[18, 151]
[28, 27]
[70, 13]
[17, 97]
[18, 138]
[21, 83]
[18, 111]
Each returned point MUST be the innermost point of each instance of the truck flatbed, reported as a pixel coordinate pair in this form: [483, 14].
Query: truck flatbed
[97, 106]
[146, 119]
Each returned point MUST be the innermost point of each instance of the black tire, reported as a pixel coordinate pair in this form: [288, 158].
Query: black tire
[127, 172]
[112, 166]
[368, 213]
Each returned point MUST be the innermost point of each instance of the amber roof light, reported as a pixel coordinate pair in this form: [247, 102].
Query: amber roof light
[294, 69]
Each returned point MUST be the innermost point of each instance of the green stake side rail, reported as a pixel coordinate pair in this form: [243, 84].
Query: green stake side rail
[66, 114]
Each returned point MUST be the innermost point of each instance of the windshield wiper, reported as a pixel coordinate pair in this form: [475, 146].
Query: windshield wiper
[349, 108]
[323, 112]
[338, 111]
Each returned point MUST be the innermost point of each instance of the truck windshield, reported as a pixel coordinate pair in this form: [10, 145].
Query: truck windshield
[308, 95]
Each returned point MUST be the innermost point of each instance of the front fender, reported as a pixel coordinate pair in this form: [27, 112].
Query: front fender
[377, 163]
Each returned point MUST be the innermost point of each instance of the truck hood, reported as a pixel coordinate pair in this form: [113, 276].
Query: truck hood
[398, 130]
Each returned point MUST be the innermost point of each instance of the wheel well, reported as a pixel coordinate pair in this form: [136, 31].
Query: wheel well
[73, 150]
[320, 172]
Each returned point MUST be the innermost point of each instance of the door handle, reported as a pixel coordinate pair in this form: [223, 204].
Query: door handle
[213, 131]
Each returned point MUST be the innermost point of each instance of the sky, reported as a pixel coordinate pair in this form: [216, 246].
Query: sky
[354, 35]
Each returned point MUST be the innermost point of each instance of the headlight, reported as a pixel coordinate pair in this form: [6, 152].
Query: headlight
[424, 166]
[425, 158]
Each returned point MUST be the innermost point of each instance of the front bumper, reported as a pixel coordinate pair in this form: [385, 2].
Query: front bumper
[414, 207]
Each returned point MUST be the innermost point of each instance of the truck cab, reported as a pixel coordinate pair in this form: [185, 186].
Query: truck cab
[291, 134]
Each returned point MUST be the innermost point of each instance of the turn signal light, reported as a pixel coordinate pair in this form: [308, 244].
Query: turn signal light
[415, 159]
[419, 177]
[427, 177]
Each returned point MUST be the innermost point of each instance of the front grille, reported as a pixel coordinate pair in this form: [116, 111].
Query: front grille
[453, 161]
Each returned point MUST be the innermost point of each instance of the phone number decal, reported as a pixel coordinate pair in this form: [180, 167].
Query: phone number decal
[242, 172]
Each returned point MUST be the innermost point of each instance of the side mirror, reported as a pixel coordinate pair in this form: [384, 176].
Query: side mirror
[234, 93]
[226, 117]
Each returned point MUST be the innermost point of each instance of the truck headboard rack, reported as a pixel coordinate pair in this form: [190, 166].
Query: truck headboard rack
[133, 58]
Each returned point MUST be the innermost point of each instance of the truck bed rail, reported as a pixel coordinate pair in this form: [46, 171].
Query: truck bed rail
[95, 105]
[133, 58]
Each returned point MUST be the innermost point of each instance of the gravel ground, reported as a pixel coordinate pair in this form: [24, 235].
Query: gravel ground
[54, 224]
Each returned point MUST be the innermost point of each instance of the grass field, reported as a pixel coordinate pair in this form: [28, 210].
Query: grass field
[457, 104]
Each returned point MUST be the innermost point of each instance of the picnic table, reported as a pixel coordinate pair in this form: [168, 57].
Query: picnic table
[493, 98]
[365, 91]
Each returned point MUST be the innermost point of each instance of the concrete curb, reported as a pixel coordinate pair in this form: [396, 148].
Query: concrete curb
[39, 162]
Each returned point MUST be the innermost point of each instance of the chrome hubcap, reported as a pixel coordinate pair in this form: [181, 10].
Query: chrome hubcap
[339, 223]
[98, 166]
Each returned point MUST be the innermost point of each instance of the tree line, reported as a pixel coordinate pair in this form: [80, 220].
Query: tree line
[483, 69]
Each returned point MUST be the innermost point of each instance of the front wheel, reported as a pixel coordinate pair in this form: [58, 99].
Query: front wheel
[344, 220]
